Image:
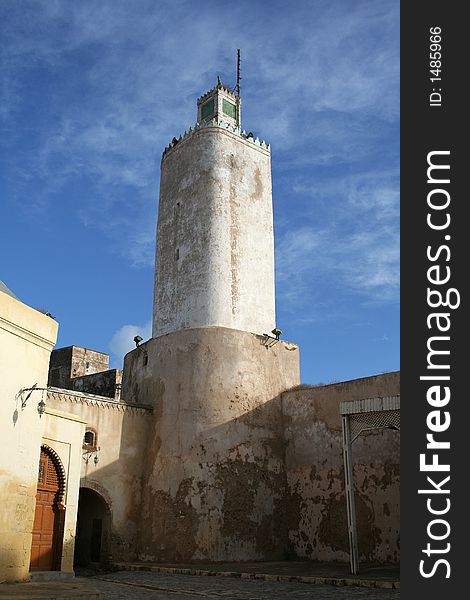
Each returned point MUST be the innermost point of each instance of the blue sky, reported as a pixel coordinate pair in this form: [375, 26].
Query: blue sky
[93, 91]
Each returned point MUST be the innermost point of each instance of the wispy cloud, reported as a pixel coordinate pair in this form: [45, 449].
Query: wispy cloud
[115, 83]
[122, 341]
[354, 249]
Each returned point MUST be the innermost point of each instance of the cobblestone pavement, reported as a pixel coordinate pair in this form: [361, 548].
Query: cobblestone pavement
[127, 585]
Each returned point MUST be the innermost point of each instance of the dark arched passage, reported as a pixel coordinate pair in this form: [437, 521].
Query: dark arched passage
[93, 527]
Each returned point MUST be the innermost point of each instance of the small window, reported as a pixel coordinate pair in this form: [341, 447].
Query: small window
[89, 439]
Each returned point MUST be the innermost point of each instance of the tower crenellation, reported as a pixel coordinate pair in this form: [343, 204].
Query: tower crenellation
[248, 136]
[219, 107]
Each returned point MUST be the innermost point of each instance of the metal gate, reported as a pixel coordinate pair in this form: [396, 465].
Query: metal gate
[359, 416]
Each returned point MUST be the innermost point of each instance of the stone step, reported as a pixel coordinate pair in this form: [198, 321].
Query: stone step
[330, 579]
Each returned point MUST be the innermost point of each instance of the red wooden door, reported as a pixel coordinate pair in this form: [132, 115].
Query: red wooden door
[46, 516]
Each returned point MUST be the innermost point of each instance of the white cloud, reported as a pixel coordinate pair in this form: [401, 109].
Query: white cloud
[311, 88]
[351, 244]
[122, 341]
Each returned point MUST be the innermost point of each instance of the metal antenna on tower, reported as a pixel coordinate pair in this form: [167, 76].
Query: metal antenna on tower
[237, 88]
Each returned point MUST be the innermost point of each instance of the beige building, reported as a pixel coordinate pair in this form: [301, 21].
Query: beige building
[212, 450]
[58, 440]
[26, 340]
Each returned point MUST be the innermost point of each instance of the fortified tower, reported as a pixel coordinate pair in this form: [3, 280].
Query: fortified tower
[214, 487]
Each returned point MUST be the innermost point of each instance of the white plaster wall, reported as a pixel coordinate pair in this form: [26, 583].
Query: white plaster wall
[26, 340]
[215, 243]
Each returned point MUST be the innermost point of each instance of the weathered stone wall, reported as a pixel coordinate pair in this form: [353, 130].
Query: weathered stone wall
[122, 433]
[316, 507]
[215, 244]
[74, 361]
[60, 365]
[106, 383]
[215, 484]
[26, 340]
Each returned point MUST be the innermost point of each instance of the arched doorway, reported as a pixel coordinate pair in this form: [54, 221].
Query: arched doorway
[49, 516]
[93, 525]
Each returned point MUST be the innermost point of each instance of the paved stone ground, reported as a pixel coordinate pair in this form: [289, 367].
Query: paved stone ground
[137, 585]
[77, 589]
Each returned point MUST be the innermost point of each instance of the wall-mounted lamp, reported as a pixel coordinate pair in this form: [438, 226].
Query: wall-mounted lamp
[269, 341]
[34, 388]
[89, 453]
[137, 341]
[41, 408]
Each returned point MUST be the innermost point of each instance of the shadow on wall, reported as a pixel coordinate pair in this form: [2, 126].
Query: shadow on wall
[109, 500]
[315, 473]
[229, 487]
[271, 483]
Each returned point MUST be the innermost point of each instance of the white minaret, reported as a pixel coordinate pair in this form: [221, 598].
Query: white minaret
[215, 246]
[214, 479]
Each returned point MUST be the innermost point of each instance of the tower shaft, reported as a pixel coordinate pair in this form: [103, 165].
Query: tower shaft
[215, 245]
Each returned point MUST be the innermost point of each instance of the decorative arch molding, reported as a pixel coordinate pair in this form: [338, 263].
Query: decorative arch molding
[61, 474]
[46, 550]
[90, 484]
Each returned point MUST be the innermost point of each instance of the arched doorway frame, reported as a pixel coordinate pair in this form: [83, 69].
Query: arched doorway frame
[58, 505]
[105, 498]
[93, 485]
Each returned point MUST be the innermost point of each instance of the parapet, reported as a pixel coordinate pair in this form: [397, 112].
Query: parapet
[222, 125]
